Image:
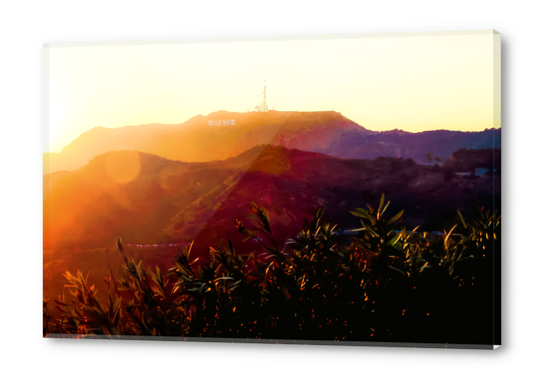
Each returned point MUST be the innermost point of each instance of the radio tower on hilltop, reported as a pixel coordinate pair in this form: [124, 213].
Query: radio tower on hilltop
[263, 106]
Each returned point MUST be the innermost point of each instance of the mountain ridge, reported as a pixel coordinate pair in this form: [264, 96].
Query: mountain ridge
[172, 202]
[327, 132]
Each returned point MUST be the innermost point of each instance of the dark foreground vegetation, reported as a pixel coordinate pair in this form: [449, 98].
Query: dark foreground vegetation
[382, 283]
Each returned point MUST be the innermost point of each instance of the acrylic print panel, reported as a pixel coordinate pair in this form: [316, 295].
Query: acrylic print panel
[328, 190]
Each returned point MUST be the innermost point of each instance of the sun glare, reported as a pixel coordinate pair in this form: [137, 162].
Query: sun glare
[123, 170]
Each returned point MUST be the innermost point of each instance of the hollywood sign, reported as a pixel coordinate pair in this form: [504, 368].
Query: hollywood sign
[221, 122]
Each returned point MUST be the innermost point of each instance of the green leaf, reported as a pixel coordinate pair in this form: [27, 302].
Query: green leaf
[373, 233]
[189, 250]
[356, 230]
[462, 219]
[225, 278]
[399, 271]
[448, 236]
[381, 203]
[360, 213]
[386, 207]
[394, 240]
[396, 217]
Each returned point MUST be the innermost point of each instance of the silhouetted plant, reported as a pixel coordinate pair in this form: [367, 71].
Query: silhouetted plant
[385, 283]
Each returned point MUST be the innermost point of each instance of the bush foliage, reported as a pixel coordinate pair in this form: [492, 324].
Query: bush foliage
[380, 282]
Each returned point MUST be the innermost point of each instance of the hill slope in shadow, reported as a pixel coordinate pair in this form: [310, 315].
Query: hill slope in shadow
[173, 203]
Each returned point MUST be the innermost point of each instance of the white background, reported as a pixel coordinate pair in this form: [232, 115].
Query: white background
[25, 26]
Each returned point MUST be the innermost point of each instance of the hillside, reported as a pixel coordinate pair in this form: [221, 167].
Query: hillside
[397, 143]
[217, 137]
[200, 140]
[170, 202]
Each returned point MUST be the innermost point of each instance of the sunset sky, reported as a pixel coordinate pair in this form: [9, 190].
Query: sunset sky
[413, 82]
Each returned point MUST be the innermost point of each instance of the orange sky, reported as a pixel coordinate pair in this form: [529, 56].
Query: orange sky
[413, 81]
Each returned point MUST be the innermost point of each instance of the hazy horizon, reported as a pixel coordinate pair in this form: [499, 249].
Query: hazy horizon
[409, 82]
[222, 110]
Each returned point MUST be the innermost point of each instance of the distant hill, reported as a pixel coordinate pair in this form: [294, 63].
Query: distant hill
[466, 160]
[170, 202]
[397, 143]
[215, 137]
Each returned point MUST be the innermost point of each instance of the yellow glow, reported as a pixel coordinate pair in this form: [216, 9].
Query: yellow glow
[421, 82]
[123, 170]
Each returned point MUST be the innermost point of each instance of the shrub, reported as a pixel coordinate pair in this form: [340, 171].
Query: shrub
[380, 282]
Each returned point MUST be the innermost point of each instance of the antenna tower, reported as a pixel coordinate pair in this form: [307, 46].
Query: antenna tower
[264, 104]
